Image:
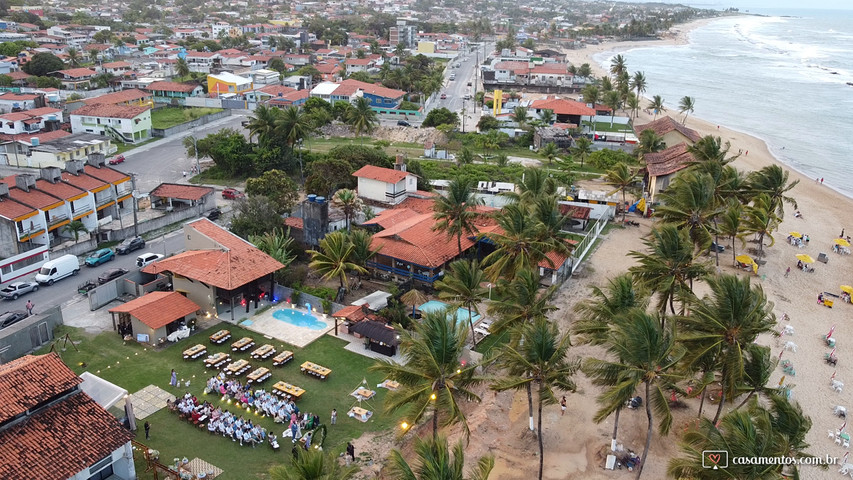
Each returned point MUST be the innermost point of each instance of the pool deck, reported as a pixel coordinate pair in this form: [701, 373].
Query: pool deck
[266, 325]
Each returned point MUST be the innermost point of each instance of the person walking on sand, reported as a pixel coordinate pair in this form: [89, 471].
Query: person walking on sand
[30, 305]
[821, 180]
[174, 381]
[563, 406]
[787, 272]
[147, 431]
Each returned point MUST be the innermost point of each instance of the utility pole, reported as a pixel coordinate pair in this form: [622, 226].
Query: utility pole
[134, 194]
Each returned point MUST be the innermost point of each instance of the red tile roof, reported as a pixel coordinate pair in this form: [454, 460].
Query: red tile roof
[389, 218]
[59, 189]
[158, 309]
[108, 110]
[294, 222]
[359, 61]
[78, 72]
[122, 96]
[33, 198]
[353, 313]
[181, 192]
[289, 98]
[83, 181]
[106, 174]
[116, 65]
[562, 106]
[575, 211]
[276, 90]
[237, 263]
[668, 161]
[420, 205]
[61, 440]
[350, 86]
[43, 137]
[667, 124]
[171, 87]
[30, 380]
[413, 240]
[18, 75]
[11, 209]
[387, 175]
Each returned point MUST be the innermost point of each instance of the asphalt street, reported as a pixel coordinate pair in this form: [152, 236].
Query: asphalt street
[66, 289]
[464, 84]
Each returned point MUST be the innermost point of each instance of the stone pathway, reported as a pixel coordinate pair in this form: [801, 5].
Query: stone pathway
[148, 400]
[198, 466]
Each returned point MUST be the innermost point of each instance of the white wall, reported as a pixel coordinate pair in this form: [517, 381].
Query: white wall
[372, 189]
[122, 461]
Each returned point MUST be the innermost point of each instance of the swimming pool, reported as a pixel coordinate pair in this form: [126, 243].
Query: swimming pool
[299, 319]
[461, 313]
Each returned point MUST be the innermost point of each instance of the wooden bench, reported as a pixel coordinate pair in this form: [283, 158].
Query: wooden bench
[217, 360]
[282, 358]
[220, 337]
[263, 352]
[194, 352]
[316, 370]
[243, 344]
[287, 390]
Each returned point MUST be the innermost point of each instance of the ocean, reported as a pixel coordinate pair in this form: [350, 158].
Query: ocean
[782, 78]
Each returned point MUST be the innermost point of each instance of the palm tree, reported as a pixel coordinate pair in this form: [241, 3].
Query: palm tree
[75, 228]
[348, 201]
[436, 461]
[761, 220]
[650, 142]
[535, 183]
[686, 106]
[618, 64]
[759, 432]
[520, 301]
[361, 117]
[293, 125]
[633, 103]
[278, 244]
[657, 105]
[462, 285]
[621, 176]
[73, 57]
[773, 181]
[432, 376]
[465, 156]
[690, 204]
[582, 148]
[519, 116]
[334, 258]
[540, 359]
[647, 354]
[549, 151]
[455, 213]
[313, 465]
[263, 123]
[731, 225]
[725, 324]
[591, 94]
[670, 266]
[547, 116]
[638, 83]
[757, 370]
[362, 251]
[182, 68]
[93, 55]
[519, 245]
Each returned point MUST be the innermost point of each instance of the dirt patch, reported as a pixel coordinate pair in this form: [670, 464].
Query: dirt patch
[390, 134]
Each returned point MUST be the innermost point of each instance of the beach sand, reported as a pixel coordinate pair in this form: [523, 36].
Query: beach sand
[576, 446]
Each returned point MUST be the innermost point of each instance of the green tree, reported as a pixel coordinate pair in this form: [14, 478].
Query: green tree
[549, 151]
[758, 367]
[726, 323]
[362, 251]
[657, 105]
[487, 123]
[761, 220]
[773, 181]
[621, 177]
[591, 94]
[254, 215]
[435, 460]
[461, 285]
[519, 116]
[75, 228]
[228, 149]
[334, 258]
[649, 142]
[432, 377]
[103, 36]
[182, 68]
[686, 106]
[540, 359]
[5, 81]
[277, 64]
[613, 101]
[731, 225]
[362, 118]
[670, 266]
[277, 187]
[456, 212]
[638, 83]
[547, 116]
[348, 201]
[292, 125]
[279, 245]
[43, 63]
[690, 204]
[327, 175]
[618, 65]
[582, 148]
[73, 57]
[313, 465]
[440, 116]
[647, 355]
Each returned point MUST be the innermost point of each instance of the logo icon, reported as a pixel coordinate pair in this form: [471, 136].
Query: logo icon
[715, 459]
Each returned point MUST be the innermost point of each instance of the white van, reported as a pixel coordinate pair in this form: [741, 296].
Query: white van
[147, 259]
[55, 270]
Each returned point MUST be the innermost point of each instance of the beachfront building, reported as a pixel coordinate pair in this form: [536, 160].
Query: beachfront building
[217, 268]
[385, 185]
[565, 111]
[124, 123]
[662, 166]
[672, 132]
[51, 429]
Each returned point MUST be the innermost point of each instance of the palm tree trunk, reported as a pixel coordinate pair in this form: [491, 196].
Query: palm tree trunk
[471, 326]
[459, 243]
[624, 205]
[717, 243]
[746, 399]
[616, 422]
[722, 395]
[648, 433]
[701, 402]
[734, 254]
[530, 406]
[541, 445]
[435, 422]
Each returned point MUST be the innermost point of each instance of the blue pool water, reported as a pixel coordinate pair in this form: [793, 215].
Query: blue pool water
[461, 313]
[299, 319]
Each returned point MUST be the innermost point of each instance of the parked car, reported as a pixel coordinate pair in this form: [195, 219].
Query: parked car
[403, 123]
[147, 259]
[444, 96]
[110, 274]
[101, 256]
[116, 160]
[129, 245]
[11, 318]
[232, 194]
[214, 215]
[717, 248]
[469, 84]
[467, 96]
[15, 290]
[84, 287]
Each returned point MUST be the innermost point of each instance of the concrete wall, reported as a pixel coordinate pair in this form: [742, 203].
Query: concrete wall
[371, 189]
[161, 132]
[196, 291]
[282, 293]
[29, 334]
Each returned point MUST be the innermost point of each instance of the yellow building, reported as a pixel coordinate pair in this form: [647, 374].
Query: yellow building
[225, 82]
[426, 47]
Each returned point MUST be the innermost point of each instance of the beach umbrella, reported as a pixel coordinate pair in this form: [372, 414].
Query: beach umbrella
[831, 331]
[844, 460]
[780, 354]
[796, 234]
[745, 259]
[755, 268]
[841, 242]
[805, 258]
[413, 297]
[833, 375]
[842, 426]
[832, 353]
[847, 289]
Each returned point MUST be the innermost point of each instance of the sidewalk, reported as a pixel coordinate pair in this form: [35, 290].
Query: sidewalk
[148, 146]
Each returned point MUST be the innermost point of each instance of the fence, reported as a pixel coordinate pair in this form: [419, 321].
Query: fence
[203, 102]
[29, 334]
[283, 293]
[585, 245]
[166, 132]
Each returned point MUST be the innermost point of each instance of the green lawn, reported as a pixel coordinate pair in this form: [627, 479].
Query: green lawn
[618, 128]
[133, 367]
[171, 116]
[125, 147]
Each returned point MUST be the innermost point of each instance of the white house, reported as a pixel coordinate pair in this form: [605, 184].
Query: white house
[14, 102]
[28, 121]
[126, 123]
[385, 185]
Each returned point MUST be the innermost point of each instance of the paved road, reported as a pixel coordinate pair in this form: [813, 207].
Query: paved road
[455, 90]
[66, 289]
[165, 160]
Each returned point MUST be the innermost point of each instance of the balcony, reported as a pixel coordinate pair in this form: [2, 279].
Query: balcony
[100, 202]
[56, 219]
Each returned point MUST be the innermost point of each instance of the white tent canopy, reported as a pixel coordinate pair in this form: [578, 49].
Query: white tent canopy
[106, 394]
